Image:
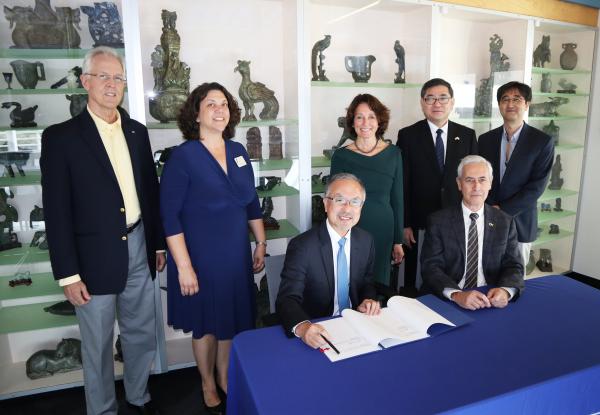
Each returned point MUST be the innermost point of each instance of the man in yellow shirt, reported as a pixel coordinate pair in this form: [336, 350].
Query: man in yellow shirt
[100, 195]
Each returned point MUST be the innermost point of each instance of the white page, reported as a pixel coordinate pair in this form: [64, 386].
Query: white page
[346, 339]
[418, 314]
[385, 329]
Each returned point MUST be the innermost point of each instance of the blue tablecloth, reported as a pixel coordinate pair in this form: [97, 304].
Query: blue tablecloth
[539, 355]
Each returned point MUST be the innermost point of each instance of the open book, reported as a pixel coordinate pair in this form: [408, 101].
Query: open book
[404, 320]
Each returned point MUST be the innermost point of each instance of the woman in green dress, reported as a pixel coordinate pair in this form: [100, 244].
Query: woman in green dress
[379, 165]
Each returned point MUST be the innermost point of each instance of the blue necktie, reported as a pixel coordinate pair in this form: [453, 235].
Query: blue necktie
[439, 148]
[343, 281]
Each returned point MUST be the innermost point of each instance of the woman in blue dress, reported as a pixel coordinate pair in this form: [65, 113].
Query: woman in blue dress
[208, 201]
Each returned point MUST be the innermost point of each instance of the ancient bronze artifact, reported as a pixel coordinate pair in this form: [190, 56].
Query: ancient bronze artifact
[267, 183]
[39, 239]
[341, 122]
[567, 87]
[253, 92]
[105, 24]
[318, 210]
[359, 67]
[544, 264]
[568, 57]
[498, 63]
[62, 308]
[541, 54]
[275, 143]
[558, 205]
[72, 79]
[254, 143]
[546, 207]
[554, 229]
[36, 215]
[318, 73]
[171, 76]
[531, 263]
[546, 84]
[65, 358]
[42, 27]
[553, 131]
[8, 215]
[556, 181]
[21, 118]
[161, 156]
[7, 78]
[267, 210]
[21, 278]
[401, 74]
[18, 158]
[28, 73]
[548, 108]
[78, 103]
[315, 179]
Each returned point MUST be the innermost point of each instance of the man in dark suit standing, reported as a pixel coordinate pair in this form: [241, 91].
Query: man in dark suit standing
[330, 267]
[100, 195]
[472, 244]
[522, 159]
[431, 151]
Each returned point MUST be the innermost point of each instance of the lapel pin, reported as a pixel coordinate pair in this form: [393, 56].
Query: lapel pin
[490, 224]
[132, 131]
[456, 138]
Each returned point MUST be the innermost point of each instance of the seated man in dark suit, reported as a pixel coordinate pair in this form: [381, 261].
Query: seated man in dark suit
[472, 244]
[330, 267]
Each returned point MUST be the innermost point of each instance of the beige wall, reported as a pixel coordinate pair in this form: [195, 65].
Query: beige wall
[549, 9]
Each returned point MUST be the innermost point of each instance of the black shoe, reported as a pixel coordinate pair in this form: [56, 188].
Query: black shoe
[222, 394]
[215, 410]
[146, 409]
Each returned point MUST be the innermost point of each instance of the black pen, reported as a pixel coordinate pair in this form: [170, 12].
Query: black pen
[330, 344]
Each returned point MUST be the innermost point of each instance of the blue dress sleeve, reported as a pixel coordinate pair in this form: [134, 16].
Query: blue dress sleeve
[174, 183]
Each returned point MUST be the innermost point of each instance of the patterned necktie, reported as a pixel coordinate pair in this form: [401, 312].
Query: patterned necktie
[439, 149]
[343, 281]
[472, 257]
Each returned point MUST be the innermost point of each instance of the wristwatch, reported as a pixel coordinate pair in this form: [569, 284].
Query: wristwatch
[261, 243]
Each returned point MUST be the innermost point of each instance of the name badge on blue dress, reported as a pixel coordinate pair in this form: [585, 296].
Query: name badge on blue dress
[239, 160]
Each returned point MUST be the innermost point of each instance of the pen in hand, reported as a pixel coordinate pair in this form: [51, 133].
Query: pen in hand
[330, 344]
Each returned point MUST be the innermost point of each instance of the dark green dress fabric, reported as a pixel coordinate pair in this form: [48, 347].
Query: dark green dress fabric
[382, 214]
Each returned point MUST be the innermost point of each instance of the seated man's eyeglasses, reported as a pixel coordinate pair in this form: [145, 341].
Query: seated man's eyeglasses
[515, 100]
[342, 201]
[118, 79]
[430, 99]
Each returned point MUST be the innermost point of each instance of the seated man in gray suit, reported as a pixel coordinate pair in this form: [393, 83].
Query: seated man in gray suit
[330, 267]
[472, 245]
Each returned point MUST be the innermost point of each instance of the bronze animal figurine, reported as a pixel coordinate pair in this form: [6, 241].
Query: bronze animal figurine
[541, 54]
[65, 358]
[548, 108]
[318, 73]
[21, 118]
[44, 28]
[253, 92]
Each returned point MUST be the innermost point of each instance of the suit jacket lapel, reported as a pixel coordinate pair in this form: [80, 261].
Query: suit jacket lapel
[327, 256]
[426, 142]
[130, 137]
[496, 140]
[458, 226]
[91, 136]
[489, 230]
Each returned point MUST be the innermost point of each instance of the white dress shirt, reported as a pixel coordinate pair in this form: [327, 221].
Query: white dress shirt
[444, 129]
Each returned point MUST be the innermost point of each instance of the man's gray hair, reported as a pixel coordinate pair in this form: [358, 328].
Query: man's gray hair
[100, 50]
[473, 159]
[344, 176]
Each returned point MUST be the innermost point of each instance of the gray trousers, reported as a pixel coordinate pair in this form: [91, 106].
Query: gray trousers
[135, 312]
